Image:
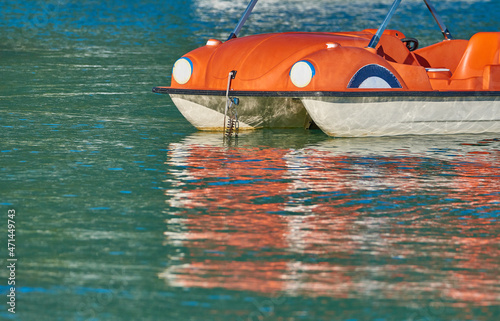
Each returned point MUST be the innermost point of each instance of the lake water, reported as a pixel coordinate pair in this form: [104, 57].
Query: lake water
[125, 212]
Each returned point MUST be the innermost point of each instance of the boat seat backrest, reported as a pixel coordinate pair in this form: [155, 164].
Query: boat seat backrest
[392, 49]
[445, 54]
[482, 50]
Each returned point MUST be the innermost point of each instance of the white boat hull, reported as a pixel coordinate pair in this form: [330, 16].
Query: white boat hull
[206, 112]
[349, 114]
[404, 115]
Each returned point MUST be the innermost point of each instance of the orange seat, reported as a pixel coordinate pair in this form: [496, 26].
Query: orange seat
[393, 50]
[445, 54]
[483, 50]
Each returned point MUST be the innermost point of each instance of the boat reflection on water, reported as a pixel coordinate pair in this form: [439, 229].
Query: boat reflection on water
[403, 218]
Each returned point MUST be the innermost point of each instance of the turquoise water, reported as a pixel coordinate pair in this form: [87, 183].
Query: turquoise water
[125, 212]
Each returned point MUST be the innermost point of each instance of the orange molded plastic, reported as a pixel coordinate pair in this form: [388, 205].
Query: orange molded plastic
[263, 62]
[483, 50]
[445, 54]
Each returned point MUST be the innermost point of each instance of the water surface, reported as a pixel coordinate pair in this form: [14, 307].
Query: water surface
[126, 212]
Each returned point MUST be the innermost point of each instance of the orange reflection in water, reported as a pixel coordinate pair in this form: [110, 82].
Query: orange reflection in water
[319, 223]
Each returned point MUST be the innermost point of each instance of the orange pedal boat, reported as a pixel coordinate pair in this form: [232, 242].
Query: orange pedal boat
[374, 82]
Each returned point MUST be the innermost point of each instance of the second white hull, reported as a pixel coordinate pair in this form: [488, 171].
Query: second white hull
[403, 115]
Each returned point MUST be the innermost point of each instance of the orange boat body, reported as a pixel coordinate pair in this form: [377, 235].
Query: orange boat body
[263, 62]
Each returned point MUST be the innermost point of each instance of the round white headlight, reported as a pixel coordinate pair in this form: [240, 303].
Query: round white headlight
[302, 73]
[183, 69]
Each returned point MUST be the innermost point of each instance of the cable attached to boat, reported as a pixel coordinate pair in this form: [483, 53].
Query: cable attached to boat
[446, 33]
[231, 123]
[243, 19]
[376, 37]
